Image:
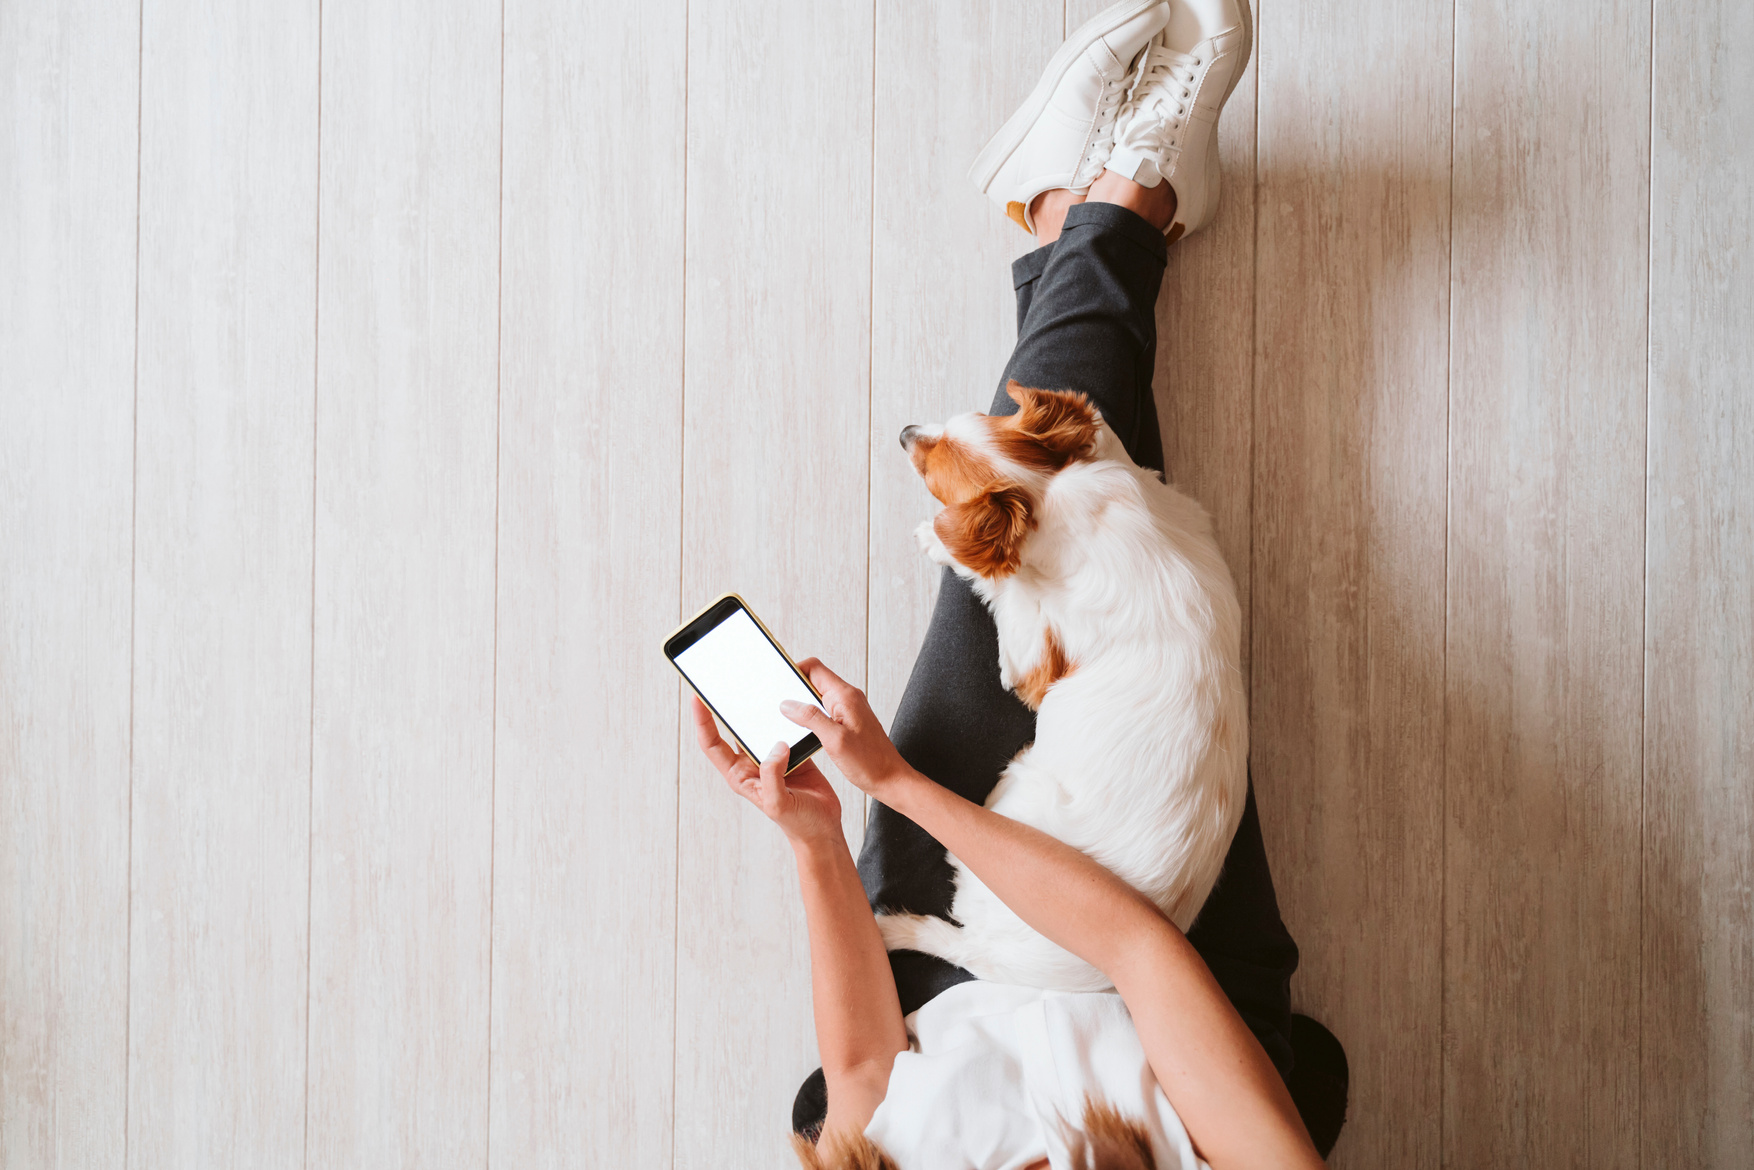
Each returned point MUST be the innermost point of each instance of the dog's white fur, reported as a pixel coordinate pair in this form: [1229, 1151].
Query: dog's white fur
[1140, 752]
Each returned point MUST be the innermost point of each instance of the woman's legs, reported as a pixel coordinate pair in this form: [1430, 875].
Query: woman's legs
[1086, 321]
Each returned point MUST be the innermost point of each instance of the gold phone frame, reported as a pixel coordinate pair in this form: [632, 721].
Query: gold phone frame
[773, 641]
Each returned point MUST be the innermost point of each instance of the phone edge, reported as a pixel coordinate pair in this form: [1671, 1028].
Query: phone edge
[791, 765]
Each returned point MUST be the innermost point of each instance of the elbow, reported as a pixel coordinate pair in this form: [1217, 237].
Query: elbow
[870, 1070]
[856, 1088]
[1142, 951]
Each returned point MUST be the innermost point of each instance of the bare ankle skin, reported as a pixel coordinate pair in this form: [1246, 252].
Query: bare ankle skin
[1048, 212]
[1155, 205]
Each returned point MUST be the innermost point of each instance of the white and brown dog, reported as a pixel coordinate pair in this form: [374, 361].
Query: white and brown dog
[1118, 623]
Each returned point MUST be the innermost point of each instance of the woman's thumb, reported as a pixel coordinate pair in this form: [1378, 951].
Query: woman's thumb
[773, 775]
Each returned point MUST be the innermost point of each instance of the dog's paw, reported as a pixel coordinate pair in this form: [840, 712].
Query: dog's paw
[920, 932]
[927, 537]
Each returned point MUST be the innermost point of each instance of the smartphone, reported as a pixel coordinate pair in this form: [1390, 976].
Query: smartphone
[740, 672]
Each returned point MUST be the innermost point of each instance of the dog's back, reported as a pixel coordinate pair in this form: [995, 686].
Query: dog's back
[1146, 739]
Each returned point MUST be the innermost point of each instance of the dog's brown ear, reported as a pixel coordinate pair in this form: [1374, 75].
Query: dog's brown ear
[986, 533]
[841, 1151]
[1053, 427]
[1109, 1141]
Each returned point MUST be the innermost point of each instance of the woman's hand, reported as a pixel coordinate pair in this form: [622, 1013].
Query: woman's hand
[849, 731]
[803, 804]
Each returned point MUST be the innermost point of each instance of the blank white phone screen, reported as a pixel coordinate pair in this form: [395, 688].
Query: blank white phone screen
[744, 678]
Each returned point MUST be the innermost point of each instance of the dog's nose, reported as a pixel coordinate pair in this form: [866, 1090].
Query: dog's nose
[907, 435]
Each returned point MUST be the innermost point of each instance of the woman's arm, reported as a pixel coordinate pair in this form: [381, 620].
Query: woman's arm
[1210, 1065]
[858, 1015]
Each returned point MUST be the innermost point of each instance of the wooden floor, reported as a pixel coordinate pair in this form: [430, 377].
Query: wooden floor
[381, 379]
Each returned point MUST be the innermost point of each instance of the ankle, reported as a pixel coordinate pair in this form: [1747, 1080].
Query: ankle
[1155, 205]
[1047, 212]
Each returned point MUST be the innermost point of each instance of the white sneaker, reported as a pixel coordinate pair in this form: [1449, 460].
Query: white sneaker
[1168, 126]
[1062, 135]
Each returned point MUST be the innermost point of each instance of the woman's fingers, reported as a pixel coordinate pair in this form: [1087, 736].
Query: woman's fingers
[844, 702]
[811, 716]
[719, 753]
[773, 778]
[739, 771]
[805, 777]
[706, 729]
[830, 684]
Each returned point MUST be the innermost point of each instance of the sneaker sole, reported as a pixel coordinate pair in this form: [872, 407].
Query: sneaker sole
[1248, 46]
[1000, 147]
[1179, 227]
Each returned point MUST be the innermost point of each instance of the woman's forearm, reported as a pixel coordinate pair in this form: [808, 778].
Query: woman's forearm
[1210, 1065]
[1050, 885]
[858, 1015]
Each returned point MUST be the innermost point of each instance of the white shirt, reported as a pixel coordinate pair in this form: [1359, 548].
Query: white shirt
[995, 1077]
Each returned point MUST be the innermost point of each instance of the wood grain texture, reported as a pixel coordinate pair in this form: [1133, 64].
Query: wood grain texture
[1697, 1082]
[222, 678]
[590, 547]
[1543, 695]
[775, 452]
[364, 577]
[69, 89]
[943, 317]
[1206, 352]
[1352, 292]
[402, 805]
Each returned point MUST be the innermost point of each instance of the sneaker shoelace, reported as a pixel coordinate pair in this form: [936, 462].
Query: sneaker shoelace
[1096, 155]
[1161, 97]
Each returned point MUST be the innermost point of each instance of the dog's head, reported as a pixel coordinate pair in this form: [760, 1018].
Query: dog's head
[990, 471]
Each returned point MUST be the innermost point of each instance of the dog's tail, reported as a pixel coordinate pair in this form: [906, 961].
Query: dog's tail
[924, 933]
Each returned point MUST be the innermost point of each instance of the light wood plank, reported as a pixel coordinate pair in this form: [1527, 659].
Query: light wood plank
[69, 89]
[775, 493]
[590, 551]
[403, 699]
[1697, 1097]
[1546, 551]
[1352, 291]
[1206, 350]
[223, 586]
[943, 314]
